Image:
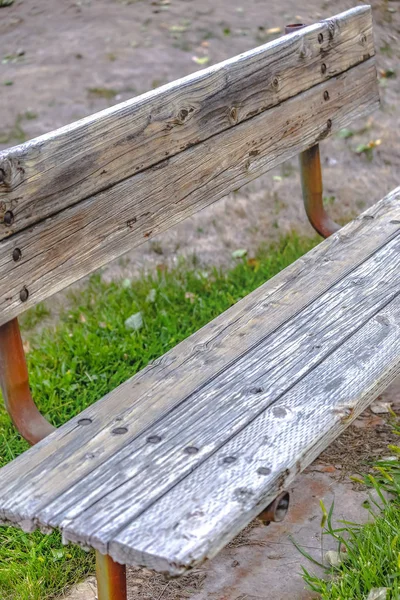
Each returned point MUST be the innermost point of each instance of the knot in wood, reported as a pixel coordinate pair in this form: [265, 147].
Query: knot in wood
[276, 83]
[233, 114]
[11, 173]
[182, 114]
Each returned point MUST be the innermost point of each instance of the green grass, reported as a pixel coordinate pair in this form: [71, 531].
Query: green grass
[371, 552]
[90, 352]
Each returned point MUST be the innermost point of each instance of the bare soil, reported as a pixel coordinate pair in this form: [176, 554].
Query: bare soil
[60, 61]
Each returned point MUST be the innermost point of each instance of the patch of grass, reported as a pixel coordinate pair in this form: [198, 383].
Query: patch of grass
[89, 352]
[369, 554]
[34, 315]
[103, 92]
[15, 133]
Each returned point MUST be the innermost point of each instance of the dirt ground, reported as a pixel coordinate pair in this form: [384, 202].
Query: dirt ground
[63, 60]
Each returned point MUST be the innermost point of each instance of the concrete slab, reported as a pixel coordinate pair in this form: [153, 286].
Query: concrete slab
[267, 565]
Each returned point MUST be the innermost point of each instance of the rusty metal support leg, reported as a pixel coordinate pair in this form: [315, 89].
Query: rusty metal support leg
[311, 179]
[14, 380]
[15, 386]
[311, 183]
[111, 579]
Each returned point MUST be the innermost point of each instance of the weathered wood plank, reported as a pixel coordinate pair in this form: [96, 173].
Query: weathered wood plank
[142, 400]
[57, 170]
[209, 508]
[228, 404]
[76, 241]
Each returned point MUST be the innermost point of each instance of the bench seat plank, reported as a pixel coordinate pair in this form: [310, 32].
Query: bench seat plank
[260, 381]
[59, 169]
[71, 244]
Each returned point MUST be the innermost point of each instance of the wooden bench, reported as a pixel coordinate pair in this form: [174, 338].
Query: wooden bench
[170, 466]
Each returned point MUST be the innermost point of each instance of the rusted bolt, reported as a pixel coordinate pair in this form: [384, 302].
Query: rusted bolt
[8, 218]
[24, 294]
[16, 254]
[120, 430]
[323, 68]
[277, 510]
[264, 471]
[329, 123]
[320, 37]
[326, 95]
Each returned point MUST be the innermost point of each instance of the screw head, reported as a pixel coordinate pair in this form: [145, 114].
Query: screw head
[326, 95]
[323, 68]
[24, 294]
[16, 254]
[320, 37]
[8, 218]
[329, 123]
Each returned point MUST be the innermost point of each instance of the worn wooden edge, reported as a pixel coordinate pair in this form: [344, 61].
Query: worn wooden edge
[45, 175]
[142, 399]
[66, 247]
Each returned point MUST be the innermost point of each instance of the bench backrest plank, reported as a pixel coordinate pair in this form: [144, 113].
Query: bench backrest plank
[163, 158]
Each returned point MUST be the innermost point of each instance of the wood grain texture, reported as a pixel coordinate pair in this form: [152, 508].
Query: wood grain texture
[61, 249]
[208, 509]
[292, 385]
[142, 400]
[43, 176]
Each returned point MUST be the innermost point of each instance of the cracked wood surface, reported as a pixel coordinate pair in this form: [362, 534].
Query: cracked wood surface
[71, 244]
[47, 174]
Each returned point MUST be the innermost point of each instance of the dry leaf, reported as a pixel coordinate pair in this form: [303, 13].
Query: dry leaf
[201, 60]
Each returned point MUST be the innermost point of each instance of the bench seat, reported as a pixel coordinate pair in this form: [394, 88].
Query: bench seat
[170, 466]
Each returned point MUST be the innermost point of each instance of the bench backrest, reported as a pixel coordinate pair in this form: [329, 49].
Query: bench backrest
[76, 198]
